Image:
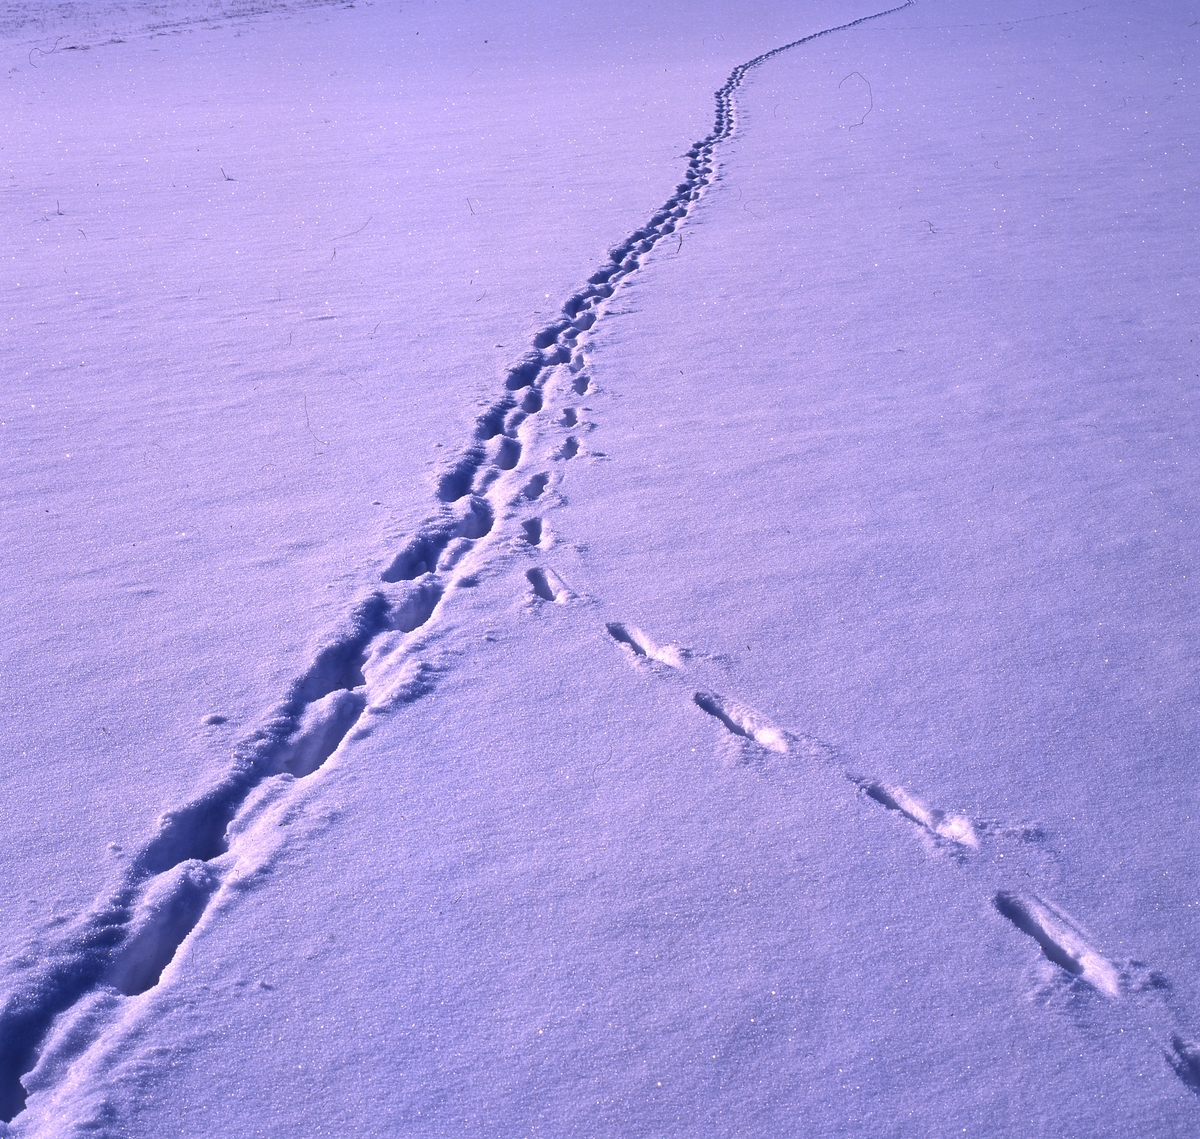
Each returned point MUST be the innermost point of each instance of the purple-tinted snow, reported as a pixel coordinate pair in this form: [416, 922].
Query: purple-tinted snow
[742, 683]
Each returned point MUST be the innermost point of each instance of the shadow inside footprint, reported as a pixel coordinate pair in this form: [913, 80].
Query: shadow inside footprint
[535, 486]
[1184, 1056]
[547, 585]
[167, 915]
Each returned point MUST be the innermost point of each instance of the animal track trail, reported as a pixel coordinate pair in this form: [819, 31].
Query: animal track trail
[120, 950]
[1080, 964]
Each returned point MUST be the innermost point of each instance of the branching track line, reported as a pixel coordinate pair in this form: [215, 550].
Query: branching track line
[205, 849]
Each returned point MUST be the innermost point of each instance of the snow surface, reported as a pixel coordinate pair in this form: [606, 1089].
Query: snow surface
[744, 684]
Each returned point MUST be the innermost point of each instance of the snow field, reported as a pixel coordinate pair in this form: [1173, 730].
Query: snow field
[522, 557]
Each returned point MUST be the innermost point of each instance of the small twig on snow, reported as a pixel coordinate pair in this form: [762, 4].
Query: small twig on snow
[354, 231]
[323, 442]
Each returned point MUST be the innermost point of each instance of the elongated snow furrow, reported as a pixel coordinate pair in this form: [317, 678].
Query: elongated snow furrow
[129, 940]
[1061, 941]
[957, 829]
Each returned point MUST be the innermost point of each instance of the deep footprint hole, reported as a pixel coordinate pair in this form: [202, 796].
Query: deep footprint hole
[1012, 908]
[508, 455]
[541, 584]
[536, 486]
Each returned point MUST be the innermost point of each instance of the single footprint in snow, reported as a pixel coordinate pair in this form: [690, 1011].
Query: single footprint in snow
[642, 647]
[742, 721]
[547, 585]
[508, 453]
[954, 828]
[536, 486]
[1061, 940]
[1184, 1056]
[569, 449]
[532, 529]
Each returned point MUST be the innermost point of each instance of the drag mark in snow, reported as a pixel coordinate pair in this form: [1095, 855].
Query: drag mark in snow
[1061, 942]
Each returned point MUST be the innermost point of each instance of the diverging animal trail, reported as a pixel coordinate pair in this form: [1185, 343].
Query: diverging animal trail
[126, 945]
